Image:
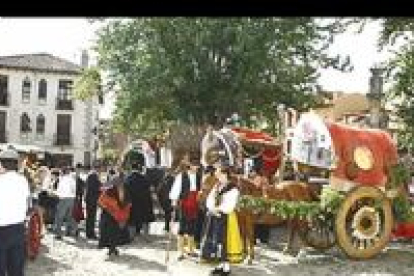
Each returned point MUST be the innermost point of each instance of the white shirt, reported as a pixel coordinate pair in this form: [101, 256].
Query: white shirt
[165, 157]
[66, 186]
[228, 203]
[177, 185]
[14, 198]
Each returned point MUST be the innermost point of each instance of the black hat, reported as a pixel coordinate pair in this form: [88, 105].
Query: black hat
[210, 169]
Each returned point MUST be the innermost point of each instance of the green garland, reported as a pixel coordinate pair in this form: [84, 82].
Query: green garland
[399, 175]
[329, 203]
[402, 209]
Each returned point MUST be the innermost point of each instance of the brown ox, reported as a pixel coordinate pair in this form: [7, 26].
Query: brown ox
[286, 190]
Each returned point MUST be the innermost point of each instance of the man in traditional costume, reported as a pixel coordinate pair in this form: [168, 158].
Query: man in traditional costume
[139, 190]
[93, 190]
[222, 237]
[183, 196]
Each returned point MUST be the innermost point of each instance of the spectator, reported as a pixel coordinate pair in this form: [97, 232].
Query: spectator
[66, 192]
[93, 190]
[14, 198]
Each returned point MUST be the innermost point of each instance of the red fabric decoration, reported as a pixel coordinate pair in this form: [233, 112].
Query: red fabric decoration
[189, 205]
[347, 138]
[110, 204]
[271, 155]
[404, 230]
[271, 160]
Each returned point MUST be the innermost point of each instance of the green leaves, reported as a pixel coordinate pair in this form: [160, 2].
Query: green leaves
[196, 69]
[88, 84]
[328, 205]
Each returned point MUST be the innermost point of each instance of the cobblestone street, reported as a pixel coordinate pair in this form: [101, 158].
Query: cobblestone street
[70, 257]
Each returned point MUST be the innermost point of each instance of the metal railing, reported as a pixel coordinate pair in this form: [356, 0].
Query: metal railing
[60, 139]
[64, 104]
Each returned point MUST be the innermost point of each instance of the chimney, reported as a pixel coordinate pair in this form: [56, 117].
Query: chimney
[84, 59]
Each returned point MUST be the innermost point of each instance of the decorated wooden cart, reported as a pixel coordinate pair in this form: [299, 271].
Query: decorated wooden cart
[362, 203]
[364, 172]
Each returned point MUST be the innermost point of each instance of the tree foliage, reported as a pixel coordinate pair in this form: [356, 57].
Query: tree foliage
[197, 69]
[401, 72]
[88, 83]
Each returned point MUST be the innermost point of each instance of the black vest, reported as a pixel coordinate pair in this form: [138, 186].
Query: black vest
[185, 185]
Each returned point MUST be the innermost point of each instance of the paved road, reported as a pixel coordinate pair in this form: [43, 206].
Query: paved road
[81, 257]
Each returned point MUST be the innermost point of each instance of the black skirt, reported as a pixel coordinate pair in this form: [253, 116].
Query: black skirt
[111, 234]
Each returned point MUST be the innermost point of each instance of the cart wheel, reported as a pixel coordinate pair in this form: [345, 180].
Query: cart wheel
[364, 222]
[33, 235]
[319, 233]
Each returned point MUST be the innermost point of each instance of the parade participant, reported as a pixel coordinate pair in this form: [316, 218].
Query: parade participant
[116, 207]
[139, 190]
[183, 196]
[14, 198]
[208, 181]
[222, 241]
[93, 190]
[66, 192]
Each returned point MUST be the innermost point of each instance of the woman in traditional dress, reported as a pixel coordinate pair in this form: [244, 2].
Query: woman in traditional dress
[222, 236]
[116, 208]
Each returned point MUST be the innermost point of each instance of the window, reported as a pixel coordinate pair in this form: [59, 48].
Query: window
[65, 90]
[26, 86]
[3, 90]
[40, 124]
[25, 123]
[42, 90]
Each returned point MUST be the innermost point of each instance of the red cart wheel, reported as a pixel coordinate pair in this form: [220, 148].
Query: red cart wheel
[33, 235]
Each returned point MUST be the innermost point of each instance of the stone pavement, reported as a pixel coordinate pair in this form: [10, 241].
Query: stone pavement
[81, 257]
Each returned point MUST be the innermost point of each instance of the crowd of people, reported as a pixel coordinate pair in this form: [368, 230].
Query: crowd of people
[202, 199]
[66, 196]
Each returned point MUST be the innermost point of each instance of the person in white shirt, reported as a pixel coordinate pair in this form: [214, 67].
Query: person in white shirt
[183, 195]
[66, 192]
[14, 204]
[166, 157]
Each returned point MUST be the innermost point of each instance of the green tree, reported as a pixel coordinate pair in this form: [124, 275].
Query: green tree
[195, 69]
[401, 72]
[88, 84]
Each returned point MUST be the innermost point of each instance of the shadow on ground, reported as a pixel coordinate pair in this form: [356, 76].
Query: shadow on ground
[44, 264]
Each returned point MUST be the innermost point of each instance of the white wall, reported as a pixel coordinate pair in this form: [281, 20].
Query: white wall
[34, 108]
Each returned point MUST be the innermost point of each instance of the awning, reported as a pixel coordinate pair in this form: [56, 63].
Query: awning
[22, 148]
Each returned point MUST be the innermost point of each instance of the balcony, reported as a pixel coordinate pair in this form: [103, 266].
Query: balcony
[64, 104]
[3, 137]
[4, 99]
[62, 139]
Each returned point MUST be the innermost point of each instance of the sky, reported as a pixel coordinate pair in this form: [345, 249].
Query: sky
[66, 37]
